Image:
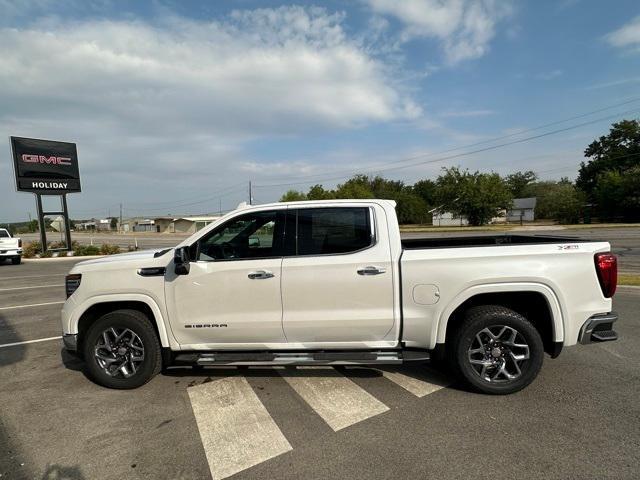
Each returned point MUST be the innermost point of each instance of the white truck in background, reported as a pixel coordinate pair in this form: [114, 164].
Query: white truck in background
[333, 283]
[10, 247]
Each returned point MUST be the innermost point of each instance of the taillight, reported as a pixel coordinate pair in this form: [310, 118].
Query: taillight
[607, 269]
[20, 243]
[72, 282]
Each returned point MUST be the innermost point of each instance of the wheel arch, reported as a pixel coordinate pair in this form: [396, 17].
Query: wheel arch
[536, 302]
[96, 307]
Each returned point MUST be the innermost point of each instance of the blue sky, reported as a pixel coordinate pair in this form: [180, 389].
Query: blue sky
[176, 106]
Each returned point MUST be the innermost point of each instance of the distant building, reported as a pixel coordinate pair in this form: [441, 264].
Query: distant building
[523, 209]
[448, 219]
[182, 224]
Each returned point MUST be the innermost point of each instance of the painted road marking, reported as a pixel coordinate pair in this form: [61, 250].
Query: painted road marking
[34, 276]
[30, 341]
[338, 400]
[31, 305]
[28, 288]
[236, 429]
[419, 383]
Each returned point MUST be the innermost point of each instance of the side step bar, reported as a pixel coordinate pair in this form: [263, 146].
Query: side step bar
[393, 357]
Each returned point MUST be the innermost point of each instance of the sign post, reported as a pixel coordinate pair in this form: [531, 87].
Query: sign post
[46, 167]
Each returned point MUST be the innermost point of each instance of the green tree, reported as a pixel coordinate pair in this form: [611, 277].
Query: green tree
[618, 151]
[518, 181]
[478, 196]
[426, 189]
[293, 196]
[560, 201]
[317, 192]
[113, 223]
[617, 194]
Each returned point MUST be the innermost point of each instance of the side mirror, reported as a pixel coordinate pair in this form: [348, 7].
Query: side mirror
[181, 261]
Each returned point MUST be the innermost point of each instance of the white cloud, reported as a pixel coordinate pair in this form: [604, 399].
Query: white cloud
[550, 75]
[467, 113]
[155, 103]
[627, 36]
[464, 27]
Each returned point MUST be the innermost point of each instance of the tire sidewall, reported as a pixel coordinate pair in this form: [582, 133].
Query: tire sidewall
[141, 327]
[526, 329]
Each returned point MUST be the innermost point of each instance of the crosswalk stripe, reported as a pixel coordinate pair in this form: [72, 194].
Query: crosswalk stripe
[236, 429]
[338, 400]
[420, 384]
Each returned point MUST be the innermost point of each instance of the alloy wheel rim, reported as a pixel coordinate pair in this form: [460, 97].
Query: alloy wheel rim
[498, 354]
[119, 352]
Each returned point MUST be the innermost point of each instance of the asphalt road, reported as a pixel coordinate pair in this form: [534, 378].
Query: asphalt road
[625, 241]
[580, 419]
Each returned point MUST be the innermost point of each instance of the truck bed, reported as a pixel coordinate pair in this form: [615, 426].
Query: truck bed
[486, 241]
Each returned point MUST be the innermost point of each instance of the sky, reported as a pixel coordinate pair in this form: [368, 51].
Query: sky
[176, 106]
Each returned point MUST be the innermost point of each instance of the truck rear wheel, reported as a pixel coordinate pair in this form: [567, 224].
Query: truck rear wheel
[16, 260]
[122, 350]
[496, 350]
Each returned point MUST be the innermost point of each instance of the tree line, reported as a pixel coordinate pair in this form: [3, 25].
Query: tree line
[607, 187]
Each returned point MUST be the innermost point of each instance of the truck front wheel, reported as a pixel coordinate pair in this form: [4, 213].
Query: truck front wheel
[121, 350]
[497, 350]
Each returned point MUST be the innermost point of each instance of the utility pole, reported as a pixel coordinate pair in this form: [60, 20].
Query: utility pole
[220, 209]
[250, 194]
[120, 224]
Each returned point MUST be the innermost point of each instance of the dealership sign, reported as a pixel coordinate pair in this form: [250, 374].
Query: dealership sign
[45, 167]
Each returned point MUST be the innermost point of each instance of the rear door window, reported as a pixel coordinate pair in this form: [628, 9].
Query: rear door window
[335, 230]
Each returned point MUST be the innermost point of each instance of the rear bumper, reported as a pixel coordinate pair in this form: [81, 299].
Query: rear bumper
[598, 328]
[10, 253]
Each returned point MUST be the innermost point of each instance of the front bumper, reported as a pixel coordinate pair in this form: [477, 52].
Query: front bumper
[70, 341]
[598, 328]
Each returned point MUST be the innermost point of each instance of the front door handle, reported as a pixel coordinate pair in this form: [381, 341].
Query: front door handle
[371, 270]
[260, 275]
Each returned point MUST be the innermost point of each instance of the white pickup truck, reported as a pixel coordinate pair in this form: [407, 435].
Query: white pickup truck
[10, 247]
[332, 282]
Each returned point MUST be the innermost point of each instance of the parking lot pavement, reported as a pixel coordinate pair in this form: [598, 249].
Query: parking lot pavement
[580, 419]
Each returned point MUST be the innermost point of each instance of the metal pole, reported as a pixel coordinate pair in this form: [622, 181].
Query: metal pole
[67, 223]
[43, 234]
[120, 226]
[250, 194]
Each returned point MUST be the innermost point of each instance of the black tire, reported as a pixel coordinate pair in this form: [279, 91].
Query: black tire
[16, 260]
[136, 322]
[495, 354]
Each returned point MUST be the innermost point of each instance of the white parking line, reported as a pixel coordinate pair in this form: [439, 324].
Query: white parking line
[33, 276]
[31, 305]
[338, 400]
[29, 341]
[236, 429]
[420, 385]
[28, 288]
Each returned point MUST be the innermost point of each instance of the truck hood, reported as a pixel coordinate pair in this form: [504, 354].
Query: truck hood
[141, 257]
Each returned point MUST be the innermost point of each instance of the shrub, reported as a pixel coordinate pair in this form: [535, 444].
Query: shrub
[31, 249]
[107, 249]
[85, 250]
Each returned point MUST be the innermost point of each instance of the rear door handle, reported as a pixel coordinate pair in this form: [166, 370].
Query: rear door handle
[371, 270]
[260, 275]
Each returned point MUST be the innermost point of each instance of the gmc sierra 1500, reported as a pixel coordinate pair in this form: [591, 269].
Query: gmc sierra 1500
[331, 282]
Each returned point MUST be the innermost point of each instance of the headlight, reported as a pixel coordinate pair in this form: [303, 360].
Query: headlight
[72, 282]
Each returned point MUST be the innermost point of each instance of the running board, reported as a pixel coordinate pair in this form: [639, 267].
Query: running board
[303, 358]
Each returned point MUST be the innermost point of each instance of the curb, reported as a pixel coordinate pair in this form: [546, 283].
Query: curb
[72, 257]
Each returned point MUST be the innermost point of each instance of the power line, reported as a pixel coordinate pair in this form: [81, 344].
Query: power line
[459, 155]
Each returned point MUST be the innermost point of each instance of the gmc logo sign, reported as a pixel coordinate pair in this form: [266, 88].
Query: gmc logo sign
[27, 158]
